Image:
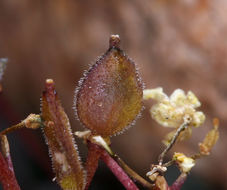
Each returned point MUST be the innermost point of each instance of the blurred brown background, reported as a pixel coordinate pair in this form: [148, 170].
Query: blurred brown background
[175, 43]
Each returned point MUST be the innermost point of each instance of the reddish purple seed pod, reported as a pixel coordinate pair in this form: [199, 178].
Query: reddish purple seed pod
[109, 97]
[66, 163]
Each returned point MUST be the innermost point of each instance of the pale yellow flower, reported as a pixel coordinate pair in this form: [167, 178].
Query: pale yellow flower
[174, 110]
[171, 111]
[184, 163]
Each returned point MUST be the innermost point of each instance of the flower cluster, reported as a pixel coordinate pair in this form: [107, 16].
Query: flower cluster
[174, 110]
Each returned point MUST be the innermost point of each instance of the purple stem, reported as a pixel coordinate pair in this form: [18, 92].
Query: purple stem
[94, 153]
[7, 177]
[179, 182]
[118, 171]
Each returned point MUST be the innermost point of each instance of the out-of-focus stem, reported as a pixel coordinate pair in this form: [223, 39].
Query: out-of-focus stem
[170, 145]
[196, 156]
[167, 164]
[7, 176]
[118, 171]
[3, 62]
[33, 121]
[6, 151]
[179, 182]
[161, 184]
[12, 128]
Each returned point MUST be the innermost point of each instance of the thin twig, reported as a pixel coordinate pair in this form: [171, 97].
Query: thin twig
[170, 145]
[167, 164]
[196, 156]
[12, 128]
[33, 121]
[132, 173]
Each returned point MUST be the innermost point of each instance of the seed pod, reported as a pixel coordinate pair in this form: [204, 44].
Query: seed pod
[109, 97]
[66, 163]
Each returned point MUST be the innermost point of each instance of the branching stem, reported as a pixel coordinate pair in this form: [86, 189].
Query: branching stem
[118, 171]
[170, 145]
[100, 142]
[132, 173]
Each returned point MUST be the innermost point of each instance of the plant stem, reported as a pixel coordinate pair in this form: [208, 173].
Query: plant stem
[118, 171]
[7, 177]
[33, 121]
[12, 128]
[196, 156]
[6, 151]
[124, 166]
[132, 173]
[161, 183]
[179, 182]
[170, 145]
[169, 163]
[94, 153]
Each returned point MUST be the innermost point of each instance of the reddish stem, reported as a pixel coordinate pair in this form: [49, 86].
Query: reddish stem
[179, 182]
[118, 171]
[7, 177]
[161, 184]
[94, 153]
[6, 152]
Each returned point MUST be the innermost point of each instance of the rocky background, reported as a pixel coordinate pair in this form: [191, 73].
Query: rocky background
[176, 44]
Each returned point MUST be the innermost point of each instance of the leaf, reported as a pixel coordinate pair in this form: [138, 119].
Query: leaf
[109, 97]
[65, 159]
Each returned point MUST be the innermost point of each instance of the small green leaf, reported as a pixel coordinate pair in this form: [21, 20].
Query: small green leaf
[109, 97]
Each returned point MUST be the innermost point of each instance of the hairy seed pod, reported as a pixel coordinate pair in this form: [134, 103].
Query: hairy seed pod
[66, 163]
[109, 97]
